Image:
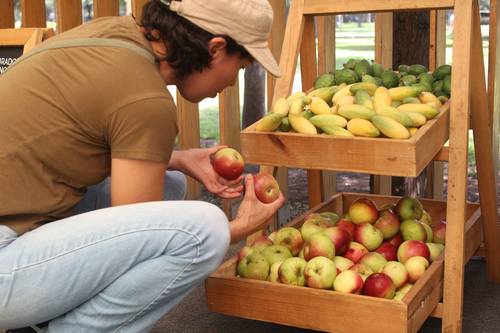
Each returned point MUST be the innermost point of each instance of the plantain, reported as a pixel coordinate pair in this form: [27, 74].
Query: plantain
[301, 125]
[356, 111]
[390, 127]
[381, 98]
[362, 127]
[268, 123]
[319, 106]
[281, 107]
[393, 113]
[426, 110]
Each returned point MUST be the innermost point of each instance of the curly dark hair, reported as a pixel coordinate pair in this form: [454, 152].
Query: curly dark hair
[187, 44]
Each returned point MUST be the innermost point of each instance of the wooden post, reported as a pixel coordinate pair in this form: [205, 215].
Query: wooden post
[137, 8]
[7, 14]
[33, 14]
[482, 129]
[383, 55]
[106, 8]
[69, 14]
[457, 174]
[493, 81]
[188, 119]
[326, 63]
[229, 127]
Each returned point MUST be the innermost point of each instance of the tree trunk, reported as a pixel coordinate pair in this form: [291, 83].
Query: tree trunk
[254, 97]
[411, 46]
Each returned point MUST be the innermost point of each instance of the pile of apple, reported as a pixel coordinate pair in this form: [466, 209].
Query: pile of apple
[367, 251]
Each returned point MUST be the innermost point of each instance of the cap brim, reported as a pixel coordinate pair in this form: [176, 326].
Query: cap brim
[264, 57]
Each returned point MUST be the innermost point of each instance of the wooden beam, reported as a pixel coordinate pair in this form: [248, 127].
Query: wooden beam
[494, 81]
[322, 7]
[482, 129]
[188, 118]
[276, 42]
[457, 173]
[69, 14]
[137, 8]
[106, 8]
[7, 14]
[33, 14]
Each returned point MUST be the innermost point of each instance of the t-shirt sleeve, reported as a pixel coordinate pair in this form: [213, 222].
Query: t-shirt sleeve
[143, 130]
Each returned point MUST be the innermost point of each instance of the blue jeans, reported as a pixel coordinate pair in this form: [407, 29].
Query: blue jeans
[115, 269]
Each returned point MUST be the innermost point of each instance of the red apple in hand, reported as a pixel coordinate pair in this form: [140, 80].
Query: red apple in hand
[228, 163]
[266, 187]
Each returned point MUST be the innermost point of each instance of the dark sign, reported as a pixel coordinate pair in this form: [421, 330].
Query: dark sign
[9, 55]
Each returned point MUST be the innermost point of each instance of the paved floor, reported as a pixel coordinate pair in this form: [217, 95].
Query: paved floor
[481, 312]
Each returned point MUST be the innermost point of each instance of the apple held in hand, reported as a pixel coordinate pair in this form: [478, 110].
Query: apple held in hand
[289, 237]
[275, 253]
[320, 272]
[412, 248]
[348, 282]
[319, 245]
[379, 285]
[266, 187]
[228, 163]
[291, 271]
[363, 210]
[409, 208]
[254, 266]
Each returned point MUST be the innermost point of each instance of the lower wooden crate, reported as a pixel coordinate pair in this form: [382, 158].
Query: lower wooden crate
[331, 311]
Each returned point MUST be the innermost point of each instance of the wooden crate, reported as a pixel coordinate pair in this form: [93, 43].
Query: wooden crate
[381, 156]
[332, 311]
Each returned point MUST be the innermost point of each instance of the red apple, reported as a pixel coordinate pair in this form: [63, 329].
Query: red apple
[379, 285]
[363, 210]
[416, 267]
[346, 224]
[348, 282]
[289, 237]
[439, 232]
[228, 163]
[261, 242]
[355, 252]
[388, 250]
[396, 240]
[340, 238]
[397, 272]
[412, 248]
[266, 187]
[319, 245]
[388, 223]
[369, 236]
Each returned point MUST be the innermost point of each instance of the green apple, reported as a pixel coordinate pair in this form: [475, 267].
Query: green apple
[435, 250]
[291, 271]
[373, 260]
[397, 272]
[273, 272]
[332, 216]
[416, 267]
[289, 237]
[317, 245]
[275, 253]
[409, 208]
[369, 236]
[314, 224]
[412, 229]
[320, 272]
[254, 266]
[401, 293]
[428, 232]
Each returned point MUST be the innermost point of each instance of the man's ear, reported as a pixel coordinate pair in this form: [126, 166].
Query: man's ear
[217, 45]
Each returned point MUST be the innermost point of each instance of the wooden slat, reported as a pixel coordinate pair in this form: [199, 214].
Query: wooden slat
[473, 234]
[482, 129]
[33, 13]
[137, 8]
[457, 173]
[383, 55]
[69, 14]
[188, 119]
[290, 50]
[276, 42]
[229, 126]
[7, 14]
[357, 6]
[494, 80]
[438, 311]
[106, 8]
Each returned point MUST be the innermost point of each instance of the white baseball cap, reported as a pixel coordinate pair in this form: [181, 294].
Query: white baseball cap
[248, 22]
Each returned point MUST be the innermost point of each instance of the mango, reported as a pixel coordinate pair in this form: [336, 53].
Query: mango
[381, 98]
[301, 125]
[356, 111]
[408, 80]
[363, 67]
[424, 109]
[416, 69]
[319, 106]
[268, 123]
[390, 127]
[326, 120]
[306, 114]
[442, 71]
[367, 86]
[389, 79]
[294, 96]
[378, 69]
[395, 104]
[347, 76]
[324, 80]
[362, 127]
[393, 113]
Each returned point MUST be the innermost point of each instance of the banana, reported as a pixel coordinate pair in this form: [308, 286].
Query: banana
[344, 91]
[390, 128]
[296, 106]
[281, 107]
[398, 116]
[319, 106]
[362, 127]
[325, 120]
[268, 123]
[428, 111]
[301, 125]
[356, 111]
[412, 130]
[294, 96]
[400, 93]
[381, 98]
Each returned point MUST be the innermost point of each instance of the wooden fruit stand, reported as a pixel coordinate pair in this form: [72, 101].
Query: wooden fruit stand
[440, 292]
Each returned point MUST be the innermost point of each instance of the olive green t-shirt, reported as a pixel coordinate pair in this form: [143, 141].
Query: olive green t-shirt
[65, 113]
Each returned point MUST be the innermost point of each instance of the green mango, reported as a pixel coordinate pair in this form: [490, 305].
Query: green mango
[389, 79]
[447, 84]
[442, 71]
[417, 69]
[347, 76]
[408, 80]
[378, 69]
[350, 64]
[403, 68]
[324, 80]
[437, 85]
[426, 77]
[363, 67]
